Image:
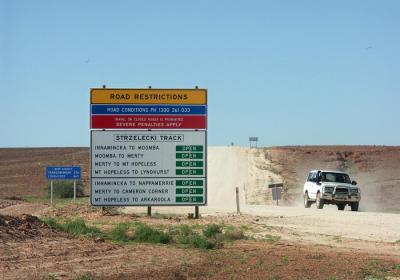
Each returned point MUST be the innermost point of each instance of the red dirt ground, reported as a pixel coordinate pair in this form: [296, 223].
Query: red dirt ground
[31, 250]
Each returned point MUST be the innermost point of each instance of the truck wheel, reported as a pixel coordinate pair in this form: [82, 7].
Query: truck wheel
[354, 206]
[320, 201]
[307, 202]
[340, 206]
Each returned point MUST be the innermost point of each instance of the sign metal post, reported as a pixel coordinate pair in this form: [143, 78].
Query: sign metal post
[51, 192]
[74, 190]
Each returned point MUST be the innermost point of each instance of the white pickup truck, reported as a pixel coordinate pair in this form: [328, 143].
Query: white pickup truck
[331, 187]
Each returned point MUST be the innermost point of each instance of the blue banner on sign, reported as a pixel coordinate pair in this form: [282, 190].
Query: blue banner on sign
[63, 172]
[149, 109]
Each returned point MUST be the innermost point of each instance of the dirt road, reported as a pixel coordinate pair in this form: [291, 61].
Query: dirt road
[378, 233]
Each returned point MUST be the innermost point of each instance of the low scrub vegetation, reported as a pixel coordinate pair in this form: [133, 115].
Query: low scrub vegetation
[271, 238]
[147, 234]
[119, 233]
[211, 231]
[232, 233]
[76, 227]
[187, 236]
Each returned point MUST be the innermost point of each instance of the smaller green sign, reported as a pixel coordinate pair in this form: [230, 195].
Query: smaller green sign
[189, 172]
[189, 191]
[191, 148]
[189, 199]
[189, 183]
[189, 155]
[189, 164]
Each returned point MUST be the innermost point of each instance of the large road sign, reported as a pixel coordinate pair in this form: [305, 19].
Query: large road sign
[163, 167]
[63, 172]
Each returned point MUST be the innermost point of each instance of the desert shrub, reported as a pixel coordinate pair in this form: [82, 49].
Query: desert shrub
[185, 235]
[201, 242]
[185, 230]
[77, 227]
[65, 189]
[196, 241]
[52, 222]
[212, 230]
[119, 233]
[232, 233]
[145, 233]
[271, 238]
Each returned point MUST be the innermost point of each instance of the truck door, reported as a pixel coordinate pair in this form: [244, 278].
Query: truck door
[312, 185]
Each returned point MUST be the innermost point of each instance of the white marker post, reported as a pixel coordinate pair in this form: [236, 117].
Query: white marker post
[237, 201]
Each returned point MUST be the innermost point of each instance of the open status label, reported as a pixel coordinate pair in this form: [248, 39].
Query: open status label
[148, 167]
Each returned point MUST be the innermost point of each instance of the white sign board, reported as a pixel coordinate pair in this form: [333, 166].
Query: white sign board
[148, 167]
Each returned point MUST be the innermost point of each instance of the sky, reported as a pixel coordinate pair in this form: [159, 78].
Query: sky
[289, 72]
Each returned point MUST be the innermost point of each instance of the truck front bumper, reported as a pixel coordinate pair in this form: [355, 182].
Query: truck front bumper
[341, 197]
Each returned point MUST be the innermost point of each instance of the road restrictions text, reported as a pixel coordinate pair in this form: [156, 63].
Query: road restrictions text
[148, 96]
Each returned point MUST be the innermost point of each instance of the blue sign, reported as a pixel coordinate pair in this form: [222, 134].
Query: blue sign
[63, 172]
[111, 109]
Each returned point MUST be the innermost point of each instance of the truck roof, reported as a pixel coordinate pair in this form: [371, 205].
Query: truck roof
[333, 171]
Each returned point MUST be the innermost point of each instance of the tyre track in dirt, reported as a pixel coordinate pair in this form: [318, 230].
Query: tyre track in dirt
[378, 233]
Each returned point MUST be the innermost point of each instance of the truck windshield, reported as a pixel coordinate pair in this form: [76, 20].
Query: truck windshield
[335, 177]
